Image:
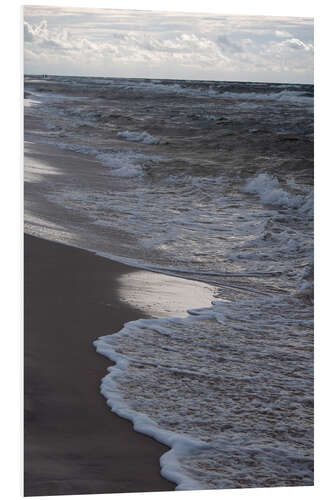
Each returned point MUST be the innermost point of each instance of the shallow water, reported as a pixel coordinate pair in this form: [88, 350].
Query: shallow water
[211, 181]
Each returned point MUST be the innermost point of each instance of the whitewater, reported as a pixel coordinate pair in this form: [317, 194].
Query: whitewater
[208, 181]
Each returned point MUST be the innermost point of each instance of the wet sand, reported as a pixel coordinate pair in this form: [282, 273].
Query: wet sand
[73, 443]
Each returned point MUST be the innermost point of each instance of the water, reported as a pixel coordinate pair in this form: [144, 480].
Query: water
[211, 181]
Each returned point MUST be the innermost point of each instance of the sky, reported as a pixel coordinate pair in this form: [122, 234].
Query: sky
[153, 44]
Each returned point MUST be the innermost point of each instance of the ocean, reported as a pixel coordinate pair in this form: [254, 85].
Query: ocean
[213, 182]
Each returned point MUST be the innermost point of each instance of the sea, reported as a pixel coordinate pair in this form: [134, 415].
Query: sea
[213, 182]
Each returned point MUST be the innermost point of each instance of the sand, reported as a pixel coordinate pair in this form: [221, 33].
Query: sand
[73, 443]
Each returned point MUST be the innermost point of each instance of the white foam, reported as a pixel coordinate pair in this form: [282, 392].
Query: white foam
[293, 96]
[143, 137]
[179, 443]
[29, 102]
[170, 88]
[128, 171]
[121, 163]
[270, 192]
[285, 95]
[77, 148]
[179, 381]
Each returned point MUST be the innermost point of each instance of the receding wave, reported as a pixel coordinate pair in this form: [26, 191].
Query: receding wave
[187, 382]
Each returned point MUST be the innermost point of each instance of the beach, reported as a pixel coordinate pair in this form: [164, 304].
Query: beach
[73, 443]
[169, 230]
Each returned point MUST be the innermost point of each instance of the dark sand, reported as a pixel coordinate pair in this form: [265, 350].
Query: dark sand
[73, 443]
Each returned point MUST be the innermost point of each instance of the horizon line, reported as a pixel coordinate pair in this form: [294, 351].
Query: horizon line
[172, 79]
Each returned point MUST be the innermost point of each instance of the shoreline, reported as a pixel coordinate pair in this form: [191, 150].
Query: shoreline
[74, 444]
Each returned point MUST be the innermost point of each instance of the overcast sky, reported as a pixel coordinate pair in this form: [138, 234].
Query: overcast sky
[133, 43]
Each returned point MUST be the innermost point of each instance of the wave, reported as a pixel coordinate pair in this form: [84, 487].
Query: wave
[179, 380]
[217, 90]
[143, 137]
[296, 97]
[121, 163]
[270, 192]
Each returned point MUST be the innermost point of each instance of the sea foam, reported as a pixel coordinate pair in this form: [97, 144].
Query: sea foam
[143, 137]
[270, 192]
[121, 163]
[179, 381]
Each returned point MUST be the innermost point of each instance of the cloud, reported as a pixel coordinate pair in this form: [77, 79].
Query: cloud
[28, 33]
[154, 44]
[294, 43]
[282, 34]
[224, 43]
